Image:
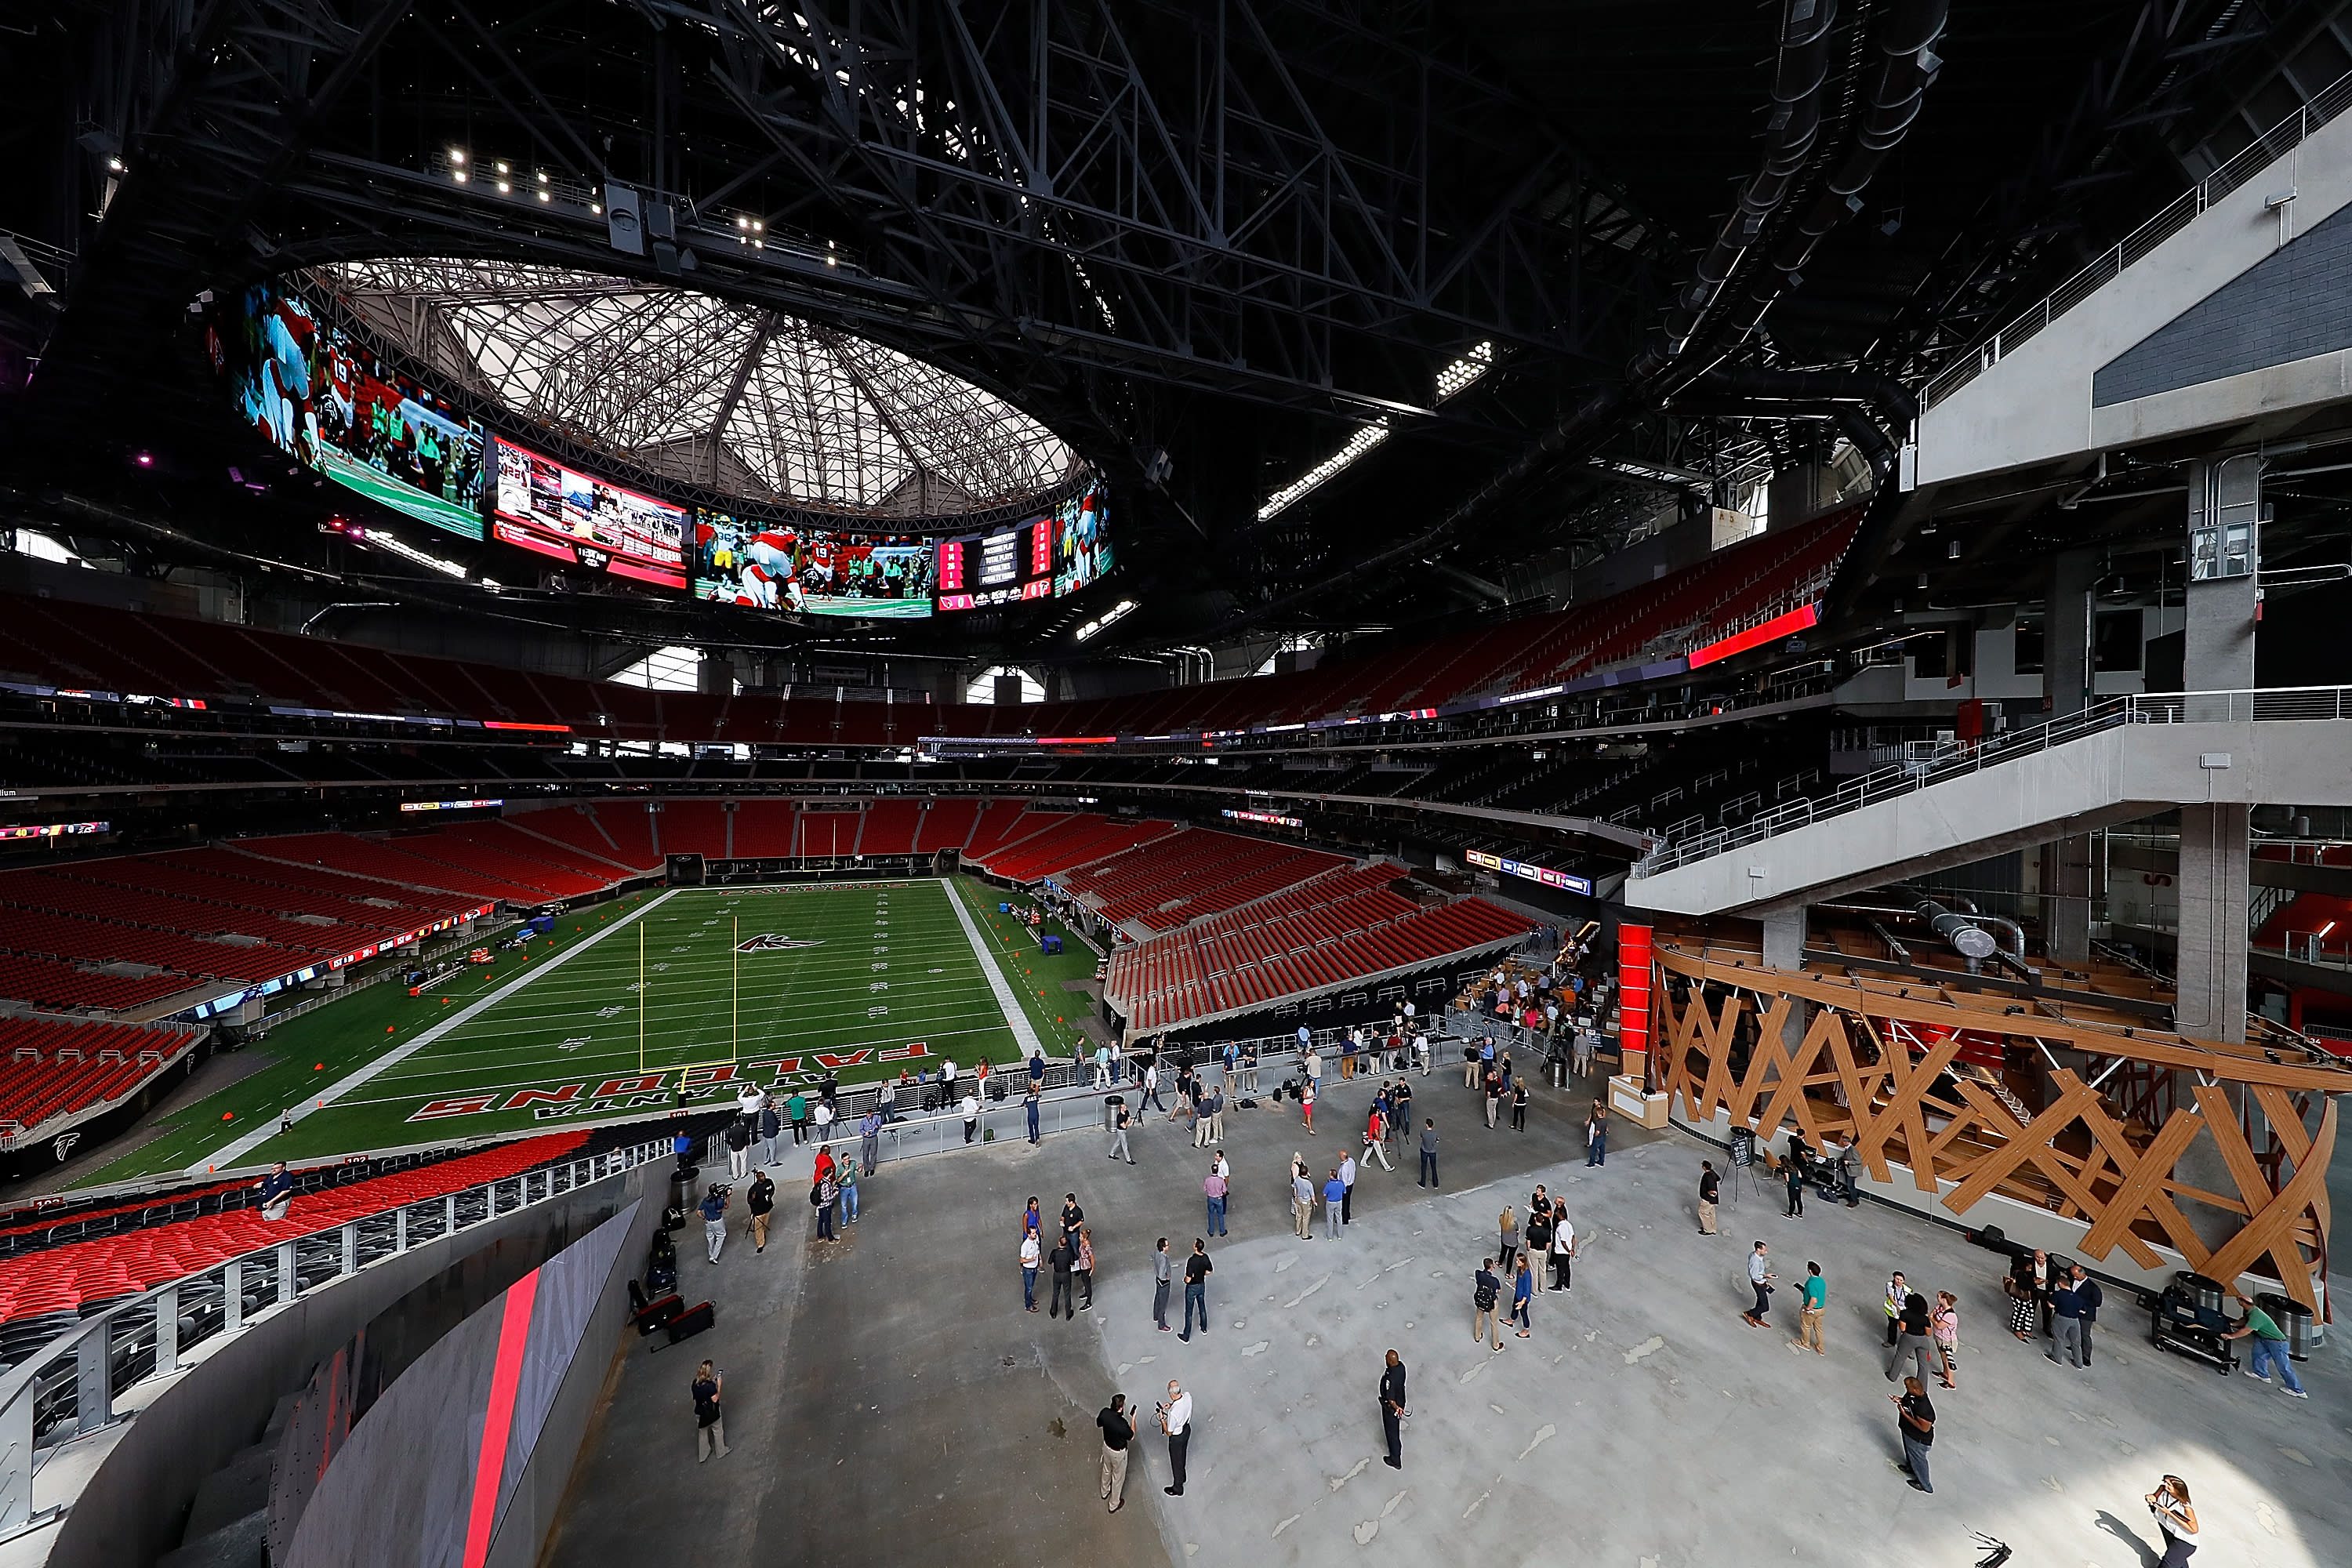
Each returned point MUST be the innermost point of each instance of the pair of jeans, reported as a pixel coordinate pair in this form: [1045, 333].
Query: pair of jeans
[1428, 1170]
[1914, 1459]
[1160, 1303]
[1332, 1220]
[2268, 1352]
[1216, 1216]
[848, 1205]
[1196, 1299]
[1598, 1153]
[824, 1222]
[1033, 1121]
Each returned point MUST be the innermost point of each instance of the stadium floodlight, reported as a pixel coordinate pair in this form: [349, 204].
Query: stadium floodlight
[1452, 381]
[1103, 622]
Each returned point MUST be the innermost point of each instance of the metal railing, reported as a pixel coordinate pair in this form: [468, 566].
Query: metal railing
[2299, 703]
[2175, 216]
[66, 1385]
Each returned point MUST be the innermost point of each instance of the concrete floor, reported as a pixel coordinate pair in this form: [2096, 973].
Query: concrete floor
[890, 1401]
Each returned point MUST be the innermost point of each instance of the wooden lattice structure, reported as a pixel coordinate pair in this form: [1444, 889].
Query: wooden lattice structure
[1992, 1095]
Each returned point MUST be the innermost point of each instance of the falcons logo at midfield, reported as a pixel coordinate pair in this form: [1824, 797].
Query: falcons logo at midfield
[774, 942]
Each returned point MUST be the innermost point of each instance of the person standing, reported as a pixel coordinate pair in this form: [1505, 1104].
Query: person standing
[1563, 1246]
[1030, 1101]
[1520, 1105]
[1539, 1233]
[1197, 1269]
[1314, 1066]
[714, 1219]
[1912, 1326]
[1392, 1410]
[821, 1115]
[1596, 1135]
[1915, 1420]
[2066, 1323]
[1302, 1199]
[1306, 1106]
[709, 1417]
[846, 1177]
[2040, 1280]
[869, 1140]
[796, 1109]
[738, 1138]
[1428, 1154]
[1032, 1222]
[2089, 1298]
[1118, 1432]
[1760, 1277]
[1151, 1087]
[1944, 1326]
[1084, 1268]
[1897, 1287]
[1348, 1195]
[2268, 1347]
[1792, 1173]
[1494, 1087]
[1214, 1186]
[2176, 1520]
[1485, 1290]
[823, 1194]
[772, 1127]
[1711, 1187]
[1508, 1247]
[1030, 1255]
[1073, 1216]
[1335, 1196]
[1162, 1272]
[1063, 1259]
[970, 1110]
[760, 1201]
[1809, 1311]
[1176, 1420]
[1119, 1149]
[1523, 1290]
[1401, 1114]
[1217, 1114]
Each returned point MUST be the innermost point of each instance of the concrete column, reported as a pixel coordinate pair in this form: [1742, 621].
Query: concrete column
[2067, 682]
[1784, 937]
[2212, 1001]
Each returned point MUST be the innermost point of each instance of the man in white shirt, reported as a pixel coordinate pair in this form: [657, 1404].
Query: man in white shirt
[1348, 1196]
[1421, 1049]
[1313, 1064]
[971, 1109]
[1176, 1420]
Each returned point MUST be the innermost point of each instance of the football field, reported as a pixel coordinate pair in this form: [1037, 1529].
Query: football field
[685, 995]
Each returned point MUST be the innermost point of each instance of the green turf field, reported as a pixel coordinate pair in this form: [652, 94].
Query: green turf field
[890, 978]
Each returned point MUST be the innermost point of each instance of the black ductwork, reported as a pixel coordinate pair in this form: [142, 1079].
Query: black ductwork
[1906, 35]
[1794, 121]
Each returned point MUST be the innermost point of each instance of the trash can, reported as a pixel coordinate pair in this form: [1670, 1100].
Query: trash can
[682, 1194]
[2294, 1320]
[1111, 1102]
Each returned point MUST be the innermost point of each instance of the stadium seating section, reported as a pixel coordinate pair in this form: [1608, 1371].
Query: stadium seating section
[1164, 883]
[829, 833]
[593, 846]
[1070, 841]
[1328, 931]
[83, 1274]
[50, 1068]
[59, 642]
[890, 827]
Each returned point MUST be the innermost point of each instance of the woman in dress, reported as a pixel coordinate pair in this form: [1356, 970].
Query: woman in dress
[1510, 1246]
[1944, 1327]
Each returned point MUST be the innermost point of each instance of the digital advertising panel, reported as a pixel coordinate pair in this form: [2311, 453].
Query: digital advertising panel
[774, 566]
[1083, 547]
[1002, 567]
[326, 400]
[554, 511]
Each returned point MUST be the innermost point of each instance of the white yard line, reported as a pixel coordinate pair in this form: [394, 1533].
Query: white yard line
[1016, 1016]
[238, 1148]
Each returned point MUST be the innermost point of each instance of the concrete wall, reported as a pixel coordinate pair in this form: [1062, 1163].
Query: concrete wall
[132, 1509]
[2113, 776]
[2037, 403]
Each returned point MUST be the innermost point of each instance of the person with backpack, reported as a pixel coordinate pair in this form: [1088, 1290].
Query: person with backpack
[1485, 1290]
[709, 1417]
[823, 1194]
